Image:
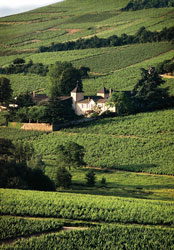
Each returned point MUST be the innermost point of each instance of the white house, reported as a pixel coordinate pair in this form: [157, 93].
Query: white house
[85, 105]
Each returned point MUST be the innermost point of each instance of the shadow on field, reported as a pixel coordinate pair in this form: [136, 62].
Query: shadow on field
[145, 168]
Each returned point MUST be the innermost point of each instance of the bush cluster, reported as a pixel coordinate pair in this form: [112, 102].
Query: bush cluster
[19, 66]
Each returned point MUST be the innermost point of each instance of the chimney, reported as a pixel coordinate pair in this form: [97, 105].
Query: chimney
[88, 98]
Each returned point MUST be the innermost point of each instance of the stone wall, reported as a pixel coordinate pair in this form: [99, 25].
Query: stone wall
[37, 126]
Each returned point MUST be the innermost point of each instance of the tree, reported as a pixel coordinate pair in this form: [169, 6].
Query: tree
[23, 152]
[14, 172]
[90, 178]
[59, 111]
[37, 113]
[103, 181]
[19, 61]
[147, 93]
[63, 178]
[63, 78]
[84, 71]
[122, 102]
[5, 90]
[71, 154]
[24, 100]
[6, 149]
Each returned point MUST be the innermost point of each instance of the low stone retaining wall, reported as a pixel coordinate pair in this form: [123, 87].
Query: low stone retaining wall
[48, 127]
[37, 126]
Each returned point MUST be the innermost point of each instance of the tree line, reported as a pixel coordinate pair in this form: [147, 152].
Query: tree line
[142, 36]
[147, 4]
[19, 66]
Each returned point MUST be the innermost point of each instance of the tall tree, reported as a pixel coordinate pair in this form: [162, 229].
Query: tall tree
[71, 154]
[147, 92]
[121, 101]
[63, 178]
[90, 178]
[5, 90]
[63, 77]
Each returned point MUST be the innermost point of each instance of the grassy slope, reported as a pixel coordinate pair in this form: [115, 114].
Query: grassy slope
[151, 147]
[73, 19]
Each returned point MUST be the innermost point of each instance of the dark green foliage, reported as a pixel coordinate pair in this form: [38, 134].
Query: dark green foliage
[71, 154]
[19, 66]
[90, 178]
[18, 61]
[121, 101]
[13, 175]
[56, 111]
[6, 149]
[36, 162]
[103, 182]
[5, 90]
[14, 172]
[142, 36]
[24, 100]
[84, 71]
[23, 152]
[59, 110]
[63, 79]
[147, 93]
[20, 115]
[147, 4]
[38, 114]
[166, 66]
[63, 178]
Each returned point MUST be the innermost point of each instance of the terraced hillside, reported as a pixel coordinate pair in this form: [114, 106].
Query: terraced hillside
[69, 20]
[134, 209]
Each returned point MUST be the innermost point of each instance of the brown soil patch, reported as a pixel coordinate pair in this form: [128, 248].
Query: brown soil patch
[32, 41]
[53, 29]
[72, 31]
[167, 76]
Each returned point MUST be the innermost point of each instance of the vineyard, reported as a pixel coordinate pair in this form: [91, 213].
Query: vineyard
[134, 208]
[85, 208]
[140, 143]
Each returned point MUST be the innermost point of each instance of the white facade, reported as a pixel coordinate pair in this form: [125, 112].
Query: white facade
[84, 105]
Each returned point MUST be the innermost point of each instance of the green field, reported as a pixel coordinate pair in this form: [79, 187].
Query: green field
[134, 153]
[146, 218]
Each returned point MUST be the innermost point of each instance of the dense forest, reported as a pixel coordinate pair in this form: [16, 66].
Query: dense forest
[142, 36]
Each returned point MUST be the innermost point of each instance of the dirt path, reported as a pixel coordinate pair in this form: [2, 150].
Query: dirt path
[36, 235]
[137, 173]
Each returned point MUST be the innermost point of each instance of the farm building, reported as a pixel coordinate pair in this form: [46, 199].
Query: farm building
[82, 104]
[85, 104]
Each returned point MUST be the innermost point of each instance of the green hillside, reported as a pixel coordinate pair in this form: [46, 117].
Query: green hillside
[22, 35]
[134, 153]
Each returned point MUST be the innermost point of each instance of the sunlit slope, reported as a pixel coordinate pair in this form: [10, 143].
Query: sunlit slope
[73, 19]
